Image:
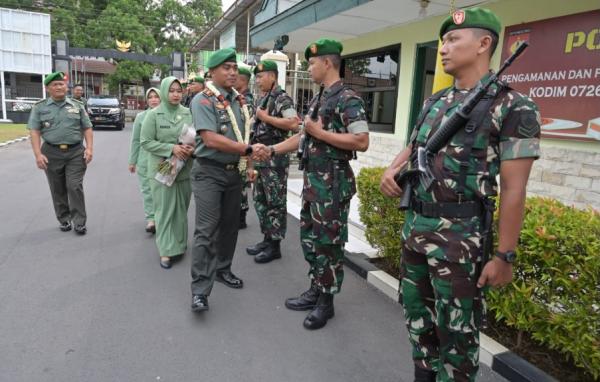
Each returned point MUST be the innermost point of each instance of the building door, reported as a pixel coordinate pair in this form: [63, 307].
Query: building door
[422, 80]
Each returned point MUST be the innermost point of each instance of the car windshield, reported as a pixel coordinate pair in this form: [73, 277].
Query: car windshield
[113, 102]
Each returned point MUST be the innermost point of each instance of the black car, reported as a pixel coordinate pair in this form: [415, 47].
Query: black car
[106, 111]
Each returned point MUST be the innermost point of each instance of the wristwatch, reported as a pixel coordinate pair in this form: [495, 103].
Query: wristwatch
[508, 256]
[249, 150]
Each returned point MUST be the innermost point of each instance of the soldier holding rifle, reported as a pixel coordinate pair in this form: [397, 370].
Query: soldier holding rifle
[465, 136]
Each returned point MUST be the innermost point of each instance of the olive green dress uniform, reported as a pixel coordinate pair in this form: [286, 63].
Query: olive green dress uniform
[139, 158]
[160, 132]
[61, 124]
[217, 187]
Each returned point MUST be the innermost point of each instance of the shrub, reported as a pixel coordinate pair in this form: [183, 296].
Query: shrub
[555, 293]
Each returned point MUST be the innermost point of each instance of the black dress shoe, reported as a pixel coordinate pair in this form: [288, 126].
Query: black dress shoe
[322, 312]
[306, 301]
[272, 252]
[151, 228]
[229, 279]
[65, 226]
[199, 303]
[423, 375]
[166, 263]
[80, 229]
[258, 247]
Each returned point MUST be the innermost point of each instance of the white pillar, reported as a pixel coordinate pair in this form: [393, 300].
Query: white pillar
[281, 60]
[3, 95]
[247, 34]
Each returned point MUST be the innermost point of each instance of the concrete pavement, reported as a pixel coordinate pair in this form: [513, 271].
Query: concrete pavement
[99, 307]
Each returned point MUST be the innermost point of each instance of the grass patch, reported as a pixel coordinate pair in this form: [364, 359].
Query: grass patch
[12, 131]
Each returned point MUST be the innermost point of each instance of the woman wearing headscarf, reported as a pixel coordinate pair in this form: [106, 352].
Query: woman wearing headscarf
[159, 137]
[138, 159]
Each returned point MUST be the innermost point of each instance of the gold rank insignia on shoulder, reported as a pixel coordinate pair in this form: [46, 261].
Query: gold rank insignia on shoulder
[208, 92]
[223, 129]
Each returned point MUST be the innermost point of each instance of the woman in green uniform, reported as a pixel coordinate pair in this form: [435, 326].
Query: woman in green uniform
[159, 137]
[138, 159]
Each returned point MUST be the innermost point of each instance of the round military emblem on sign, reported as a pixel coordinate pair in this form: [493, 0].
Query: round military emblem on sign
[458, 17]
[313, 49]
[223, 129]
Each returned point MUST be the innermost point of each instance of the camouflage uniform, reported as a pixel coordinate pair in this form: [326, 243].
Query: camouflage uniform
[245, 184]
[328, 187]
[270, 189]
[442, 257]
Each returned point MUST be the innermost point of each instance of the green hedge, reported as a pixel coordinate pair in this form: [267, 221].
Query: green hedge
[555, 293]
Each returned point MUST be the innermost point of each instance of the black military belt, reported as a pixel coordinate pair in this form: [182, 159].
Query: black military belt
[268, 141]
[214, 163]
[327, 166]
[466, 209]
[64, 146]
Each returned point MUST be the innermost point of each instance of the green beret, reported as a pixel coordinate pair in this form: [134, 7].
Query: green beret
[266, 66]
[323, 47]
[56, 76]
[244, 72]
[471, 18]
[197, 79]
[221, 56]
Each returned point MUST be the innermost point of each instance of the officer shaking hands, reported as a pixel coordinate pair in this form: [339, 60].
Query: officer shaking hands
[448, 224]
[62, 124]
[222, 121]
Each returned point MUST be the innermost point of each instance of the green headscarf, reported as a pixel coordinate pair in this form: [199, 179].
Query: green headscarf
[153, 90]
[166, 107]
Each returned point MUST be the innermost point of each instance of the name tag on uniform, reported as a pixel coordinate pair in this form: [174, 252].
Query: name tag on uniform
[164, 127]
[44, 111]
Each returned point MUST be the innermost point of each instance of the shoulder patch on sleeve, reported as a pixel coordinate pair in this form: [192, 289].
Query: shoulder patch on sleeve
[529, 126]
[205, 102]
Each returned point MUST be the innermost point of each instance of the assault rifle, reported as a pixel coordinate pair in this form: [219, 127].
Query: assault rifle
[263, 106]
[303, 145]
[420, 162]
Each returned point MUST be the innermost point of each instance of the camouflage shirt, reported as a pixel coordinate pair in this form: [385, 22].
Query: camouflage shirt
[514, 132]
[249, 101]
[342, 111]
[280, 105]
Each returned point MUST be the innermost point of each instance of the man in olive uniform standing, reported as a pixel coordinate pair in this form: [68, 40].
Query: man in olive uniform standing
[194, 86]
[242, 86]
[329, 183]
[78, 94]
[445, 233]
[270, 191]
[62, 124]
[222, 120]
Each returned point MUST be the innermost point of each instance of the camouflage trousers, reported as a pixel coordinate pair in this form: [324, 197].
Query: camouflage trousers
[323, 232]
[245, 187]
[443, 313]
[270, 201]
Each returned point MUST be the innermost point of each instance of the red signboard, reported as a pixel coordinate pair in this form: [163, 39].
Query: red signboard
[560, 70]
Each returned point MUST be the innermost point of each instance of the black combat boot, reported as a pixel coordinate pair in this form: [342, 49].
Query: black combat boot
[243, 220]
[272, 252]
[424, 375]
[306, 301]
[258, 247]
[322, 312]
